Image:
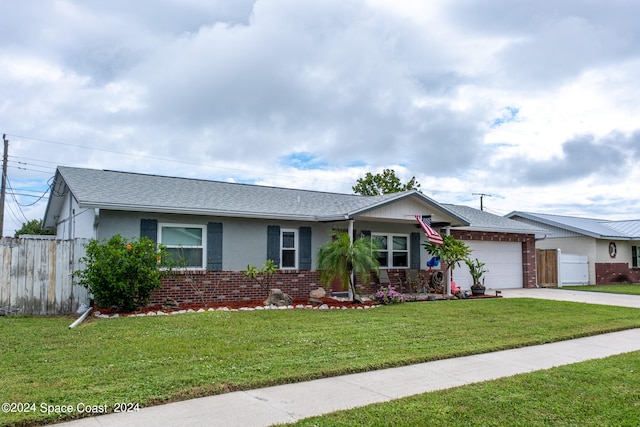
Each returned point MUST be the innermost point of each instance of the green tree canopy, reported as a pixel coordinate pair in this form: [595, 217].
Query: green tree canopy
[33, 227]
[383, 183]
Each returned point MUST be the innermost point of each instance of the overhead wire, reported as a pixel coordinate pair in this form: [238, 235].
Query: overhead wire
[144, 156]
[15, 199]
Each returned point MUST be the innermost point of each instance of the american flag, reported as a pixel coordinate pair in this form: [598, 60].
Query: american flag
[432, 235]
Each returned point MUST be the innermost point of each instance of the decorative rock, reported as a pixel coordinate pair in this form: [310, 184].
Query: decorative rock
[324, 307]
[314, 301]
[170, 304]
[201, 310]
[318, 293]
[212, 309]
[278, 298]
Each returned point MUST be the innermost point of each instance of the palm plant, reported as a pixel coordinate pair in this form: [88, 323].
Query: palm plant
[452, 252]
[477, 270]
[340, 258]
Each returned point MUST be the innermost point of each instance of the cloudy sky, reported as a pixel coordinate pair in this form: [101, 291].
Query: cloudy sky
[534, 102]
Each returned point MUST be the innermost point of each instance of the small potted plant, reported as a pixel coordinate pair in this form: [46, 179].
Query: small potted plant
[477, 270]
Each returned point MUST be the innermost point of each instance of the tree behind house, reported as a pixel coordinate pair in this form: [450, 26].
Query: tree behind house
[383, 183]
[34, 227]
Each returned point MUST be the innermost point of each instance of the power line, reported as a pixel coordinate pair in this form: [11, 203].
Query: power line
[28, 195]
[15, 199]
[250, 171]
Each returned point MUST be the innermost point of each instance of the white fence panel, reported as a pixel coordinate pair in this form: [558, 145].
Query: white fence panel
[37, 276]
[574, 269]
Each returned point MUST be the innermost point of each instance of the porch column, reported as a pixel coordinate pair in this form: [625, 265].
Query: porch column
[350, 231]
[448, 278]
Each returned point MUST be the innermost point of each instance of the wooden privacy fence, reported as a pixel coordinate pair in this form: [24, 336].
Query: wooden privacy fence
[37, 276]
[547, 267]
[555, 268]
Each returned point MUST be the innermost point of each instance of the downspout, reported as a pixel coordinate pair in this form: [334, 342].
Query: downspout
[81, 318]
[448, 278]
[350, 231]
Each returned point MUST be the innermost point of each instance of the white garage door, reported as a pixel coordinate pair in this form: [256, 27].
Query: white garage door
[503, 262]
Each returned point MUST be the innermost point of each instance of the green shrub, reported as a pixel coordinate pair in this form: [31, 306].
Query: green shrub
[123, 273]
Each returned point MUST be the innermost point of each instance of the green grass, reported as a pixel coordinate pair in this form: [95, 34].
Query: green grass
[628, 289]
[151, 360]
[602, 392]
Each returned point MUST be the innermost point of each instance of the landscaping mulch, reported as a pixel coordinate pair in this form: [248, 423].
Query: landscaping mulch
[234, 305]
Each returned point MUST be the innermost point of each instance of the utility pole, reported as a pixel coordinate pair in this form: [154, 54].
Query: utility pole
[481, 196]
[3, 189]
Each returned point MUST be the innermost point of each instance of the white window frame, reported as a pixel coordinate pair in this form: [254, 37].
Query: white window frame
[203, 264]
[390, 250]
[295, 248]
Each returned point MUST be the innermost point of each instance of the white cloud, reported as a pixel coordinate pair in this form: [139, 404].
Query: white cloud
[317, 93]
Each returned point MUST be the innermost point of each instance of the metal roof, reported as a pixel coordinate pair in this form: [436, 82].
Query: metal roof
[115, 190]
[596, 228]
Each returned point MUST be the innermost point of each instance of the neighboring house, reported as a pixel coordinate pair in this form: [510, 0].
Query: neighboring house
[220, 228]
[611, 248]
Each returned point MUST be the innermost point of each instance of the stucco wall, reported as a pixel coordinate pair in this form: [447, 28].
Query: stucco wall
[244, 241]
[602, 267]
[74, 222]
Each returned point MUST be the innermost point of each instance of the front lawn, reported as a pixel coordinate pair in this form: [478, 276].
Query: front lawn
[152, 360]
[628, 289]
[602, 392]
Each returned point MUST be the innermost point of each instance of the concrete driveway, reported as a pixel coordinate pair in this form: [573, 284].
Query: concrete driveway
[575, 296]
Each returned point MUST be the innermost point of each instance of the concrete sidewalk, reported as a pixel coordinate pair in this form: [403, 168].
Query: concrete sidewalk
[288, 403]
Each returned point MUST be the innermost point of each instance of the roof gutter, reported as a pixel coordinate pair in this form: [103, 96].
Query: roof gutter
[169, 210]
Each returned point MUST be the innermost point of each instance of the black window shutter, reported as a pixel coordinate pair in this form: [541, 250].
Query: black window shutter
[273, 244]
[305, 248]
[214, 246]
[149, 228]
[415, 251]
[634, 257]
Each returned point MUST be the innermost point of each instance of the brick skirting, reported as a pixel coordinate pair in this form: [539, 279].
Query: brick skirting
[616, 272]
[231, 286]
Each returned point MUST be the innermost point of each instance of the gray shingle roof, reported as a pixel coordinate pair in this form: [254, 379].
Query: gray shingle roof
[482, 220]
[597, 228]
[153, 193]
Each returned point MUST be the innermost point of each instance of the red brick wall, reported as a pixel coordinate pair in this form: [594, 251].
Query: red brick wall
[528, 249]
[616, 272]
[222, 286]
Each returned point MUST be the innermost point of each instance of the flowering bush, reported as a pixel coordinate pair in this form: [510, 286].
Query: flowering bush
[388, 295]
[123, 273]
